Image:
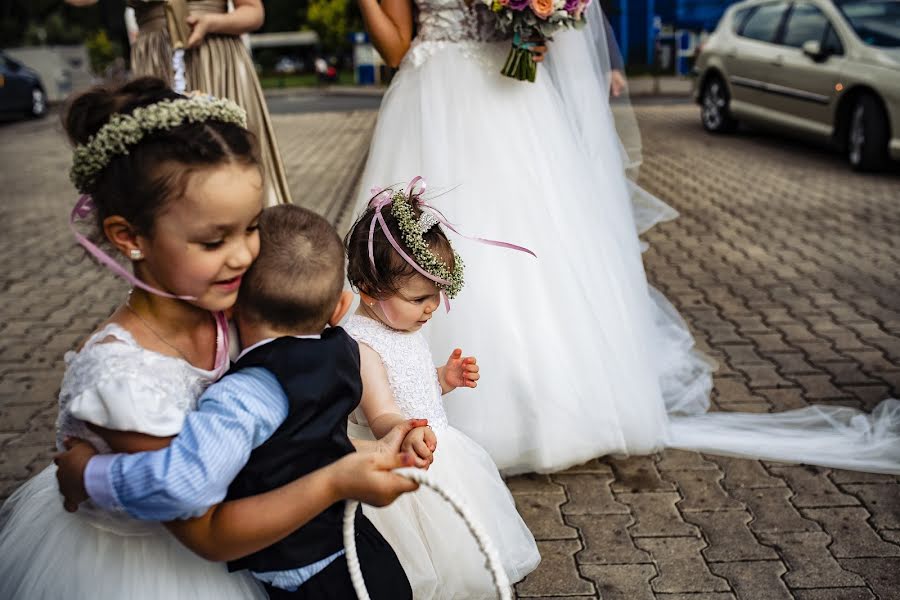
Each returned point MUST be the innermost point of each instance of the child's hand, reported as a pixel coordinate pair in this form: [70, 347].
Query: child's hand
[70, 471]
[391, 442]
[422, 442]
[200, 26]
[368, 477]
[458, 372]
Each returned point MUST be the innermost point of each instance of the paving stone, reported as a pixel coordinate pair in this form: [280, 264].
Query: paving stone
[542, 515]
[881, 574]
[818, 387]
[702, 491]
[656, 515]
[810, 564]
[812, 488]
[882, 500]
[819, 351]
[606, 540]
[638, 474]
[592, 466]
[860, 593]
[683, 460]
[891, 535]
[621, 582]
[681, 566]
[734, 390]
[533, 483]
[700, 596]
[853, 536]
[557, 575]
[589, 494]
[743, 473]
[729, 536]
[772, 510]
[754, 580]
[783, 399]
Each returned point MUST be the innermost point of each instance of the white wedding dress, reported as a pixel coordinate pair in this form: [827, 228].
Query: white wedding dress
[47, 553]
[579, 356]
[439, 555]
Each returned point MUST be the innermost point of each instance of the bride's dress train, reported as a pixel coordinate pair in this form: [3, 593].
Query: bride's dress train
[580, 357]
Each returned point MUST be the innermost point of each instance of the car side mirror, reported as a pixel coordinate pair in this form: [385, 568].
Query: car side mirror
[813, 49]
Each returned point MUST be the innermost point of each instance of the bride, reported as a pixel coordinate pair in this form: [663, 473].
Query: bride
[580, 356]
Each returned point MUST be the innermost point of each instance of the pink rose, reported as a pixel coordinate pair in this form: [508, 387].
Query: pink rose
[542, 8]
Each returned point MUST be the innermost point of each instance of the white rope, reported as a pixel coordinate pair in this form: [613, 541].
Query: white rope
[492, 559]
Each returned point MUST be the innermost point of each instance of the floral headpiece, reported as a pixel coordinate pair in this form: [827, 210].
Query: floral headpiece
[413, 230]
[124, 131]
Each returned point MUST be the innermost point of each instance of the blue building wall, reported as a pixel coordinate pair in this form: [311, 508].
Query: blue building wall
[632, 21]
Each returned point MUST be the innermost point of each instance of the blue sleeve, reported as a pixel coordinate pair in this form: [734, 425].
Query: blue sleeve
[234, 416]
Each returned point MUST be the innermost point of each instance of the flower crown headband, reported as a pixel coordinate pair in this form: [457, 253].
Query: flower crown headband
[124, 131]
[116, 137]
[423, 259]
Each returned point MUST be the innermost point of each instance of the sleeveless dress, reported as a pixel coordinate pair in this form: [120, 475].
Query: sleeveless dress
[47, 553]
[220, 66]
[580, 356]
[441, 559]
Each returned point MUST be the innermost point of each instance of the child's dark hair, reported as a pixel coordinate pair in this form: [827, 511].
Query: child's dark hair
[137, 185]
[295, 283]
[391, 270]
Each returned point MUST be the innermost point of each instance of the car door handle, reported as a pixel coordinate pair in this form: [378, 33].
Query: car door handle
[778, 61]
[731, 54]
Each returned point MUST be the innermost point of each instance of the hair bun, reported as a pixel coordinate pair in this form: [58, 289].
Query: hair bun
[88, 112]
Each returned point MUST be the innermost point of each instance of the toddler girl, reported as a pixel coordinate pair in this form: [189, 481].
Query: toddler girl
[401, 262]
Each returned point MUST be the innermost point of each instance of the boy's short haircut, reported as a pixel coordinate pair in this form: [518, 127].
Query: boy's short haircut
[296, 281]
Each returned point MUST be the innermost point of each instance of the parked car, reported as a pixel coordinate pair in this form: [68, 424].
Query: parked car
[21, 90]
[825, 69]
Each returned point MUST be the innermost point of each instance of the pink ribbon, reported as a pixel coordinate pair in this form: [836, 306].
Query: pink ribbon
[383, 197]
[83, 208]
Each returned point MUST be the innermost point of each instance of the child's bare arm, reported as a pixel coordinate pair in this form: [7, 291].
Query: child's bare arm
[379, 406]
[236, 528]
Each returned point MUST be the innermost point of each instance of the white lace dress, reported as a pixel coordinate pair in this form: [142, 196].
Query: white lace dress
[436, 550]
[49, 554]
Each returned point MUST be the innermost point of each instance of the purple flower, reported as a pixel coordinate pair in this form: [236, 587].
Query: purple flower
[571, 5]
[519, 4]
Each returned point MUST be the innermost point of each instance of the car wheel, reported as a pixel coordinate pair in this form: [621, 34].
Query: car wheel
[714, 111]
[38, 102]
[867, 137]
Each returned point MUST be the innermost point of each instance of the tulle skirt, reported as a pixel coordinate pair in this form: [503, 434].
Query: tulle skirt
[49, 554]
[579, 357]
[439, 555]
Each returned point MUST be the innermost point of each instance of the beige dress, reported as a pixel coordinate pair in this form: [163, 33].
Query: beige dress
[220, 66]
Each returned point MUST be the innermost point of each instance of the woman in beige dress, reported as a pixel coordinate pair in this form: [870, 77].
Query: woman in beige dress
[215, 62]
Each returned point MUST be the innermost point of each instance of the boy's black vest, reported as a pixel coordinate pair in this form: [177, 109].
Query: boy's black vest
[322, 382]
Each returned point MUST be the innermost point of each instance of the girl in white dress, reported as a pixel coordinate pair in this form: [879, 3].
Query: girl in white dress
[399, 294]
[585, 358]
[175, 187]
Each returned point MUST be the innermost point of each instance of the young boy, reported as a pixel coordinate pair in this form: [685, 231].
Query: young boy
[278, 415]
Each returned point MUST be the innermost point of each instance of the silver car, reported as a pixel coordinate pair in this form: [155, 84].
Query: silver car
[824, 69]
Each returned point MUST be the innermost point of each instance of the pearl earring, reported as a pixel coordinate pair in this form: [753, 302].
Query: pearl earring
[136, 254]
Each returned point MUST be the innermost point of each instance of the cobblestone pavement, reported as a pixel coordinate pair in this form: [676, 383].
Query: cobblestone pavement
[785, 265]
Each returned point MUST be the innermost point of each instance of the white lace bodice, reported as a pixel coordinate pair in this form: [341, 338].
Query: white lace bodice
[410, 368]
[467, 26]
[115, 383]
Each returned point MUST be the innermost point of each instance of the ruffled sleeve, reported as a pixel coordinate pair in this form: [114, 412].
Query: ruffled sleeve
[125, 388]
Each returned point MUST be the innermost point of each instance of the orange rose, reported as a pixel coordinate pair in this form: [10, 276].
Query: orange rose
[542, 8]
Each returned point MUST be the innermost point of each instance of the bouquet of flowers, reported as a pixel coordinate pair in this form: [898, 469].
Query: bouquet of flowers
[529, 20]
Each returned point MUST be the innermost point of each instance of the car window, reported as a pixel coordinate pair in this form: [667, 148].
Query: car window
[876, 22]
[737, 21]
[805, 23]
[764, 22]
[832, 44]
